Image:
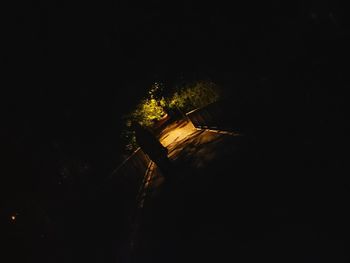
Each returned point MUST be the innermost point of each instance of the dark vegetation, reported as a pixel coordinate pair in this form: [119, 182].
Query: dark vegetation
[69, 76]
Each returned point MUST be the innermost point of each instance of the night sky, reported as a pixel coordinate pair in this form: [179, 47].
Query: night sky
[72, 69]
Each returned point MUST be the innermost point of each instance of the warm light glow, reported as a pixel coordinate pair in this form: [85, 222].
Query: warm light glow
[13, 218]
[177, 134]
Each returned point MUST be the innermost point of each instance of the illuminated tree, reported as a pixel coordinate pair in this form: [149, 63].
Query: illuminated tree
[196, 95]
[147, 112]
[155, 106]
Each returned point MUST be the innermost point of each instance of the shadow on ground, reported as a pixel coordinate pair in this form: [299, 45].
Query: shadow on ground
[229, 198]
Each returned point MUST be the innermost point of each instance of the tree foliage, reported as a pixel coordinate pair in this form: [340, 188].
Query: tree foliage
[156, 105]
[147, 112]
[150, 109]
[195, 95]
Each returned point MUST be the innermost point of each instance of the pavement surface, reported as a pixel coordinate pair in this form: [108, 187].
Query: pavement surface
[226, 200]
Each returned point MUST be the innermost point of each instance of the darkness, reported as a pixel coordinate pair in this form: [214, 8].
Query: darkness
[71, 70]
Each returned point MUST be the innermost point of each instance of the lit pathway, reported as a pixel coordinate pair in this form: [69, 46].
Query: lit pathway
[176, 132]
[185, 142]
[197, 156]
[221, 204]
